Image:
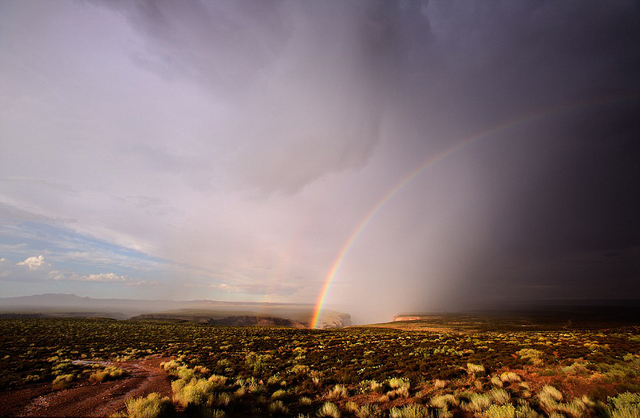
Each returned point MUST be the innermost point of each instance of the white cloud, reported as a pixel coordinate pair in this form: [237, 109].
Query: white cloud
[102, 278]
[66, 276]
[37, 269]
[33, 263]
[3, 271]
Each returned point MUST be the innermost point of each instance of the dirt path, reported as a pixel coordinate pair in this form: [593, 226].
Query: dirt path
[91, 399]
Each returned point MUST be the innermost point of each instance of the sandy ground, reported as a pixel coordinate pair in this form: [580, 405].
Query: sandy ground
[88, 399]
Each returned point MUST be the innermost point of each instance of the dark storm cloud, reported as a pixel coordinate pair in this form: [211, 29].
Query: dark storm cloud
[570, 183]
[312, 79]
[563, 185]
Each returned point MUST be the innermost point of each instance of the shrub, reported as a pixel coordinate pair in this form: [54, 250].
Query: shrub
[410, 411]
[533, 356]
[170, 366]
[575, 368]
[62, 381]
[395, 383]
[549, 397]
[276, 407]
[185, 373]
[576, 408]
[623, 400]
[99, 376]
[213, 413]
[305, 401]
[439, 384]
[109, 373]
[329, 409]
[495, 380]
[624, 405]
[501, 411]
[240, 392]
[217, 380]
[367, 386]
[351, 406]
[273, 380]
[444, 401]
[223, 363]
[368, 411]
[510, 377]
[153, 406]
[478, 402]
[194, 392]
[223, 399]
[401, 392]
[279, 394]
[300, 369]
[475, 368]
[201, 370]
[525, 411]
[338, 392]
[499, 396]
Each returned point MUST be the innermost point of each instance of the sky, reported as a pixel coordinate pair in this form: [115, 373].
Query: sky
[401, 155]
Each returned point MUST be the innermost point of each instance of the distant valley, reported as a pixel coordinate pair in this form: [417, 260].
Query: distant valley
[206, 311]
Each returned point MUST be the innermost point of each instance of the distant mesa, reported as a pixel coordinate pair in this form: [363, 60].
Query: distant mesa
[560, 315]
[241, 320]
[408, 318]
[205, 311]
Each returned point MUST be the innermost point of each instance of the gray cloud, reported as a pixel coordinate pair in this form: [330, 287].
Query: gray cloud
[300, 84]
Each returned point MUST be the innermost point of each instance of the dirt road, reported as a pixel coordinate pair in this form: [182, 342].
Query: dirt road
[89, 399]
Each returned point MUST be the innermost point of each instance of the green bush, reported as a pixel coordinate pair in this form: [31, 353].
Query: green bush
[62, 381]
[501, 411]
[193, 392]
[410, 411]
[108, 373]
[533, 356]
[153, 406]
[276, 407]
[217, 380]
[624, 405]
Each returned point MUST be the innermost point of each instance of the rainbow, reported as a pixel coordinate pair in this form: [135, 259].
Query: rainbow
[505, 126]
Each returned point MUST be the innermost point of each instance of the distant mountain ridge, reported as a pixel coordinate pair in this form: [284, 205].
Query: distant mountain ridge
[65, 305]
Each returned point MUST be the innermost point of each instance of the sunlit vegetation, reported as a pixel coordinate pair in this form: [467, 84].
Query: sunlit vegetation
[109, 373]
[358, 372]
[62, 381]
[153, 406]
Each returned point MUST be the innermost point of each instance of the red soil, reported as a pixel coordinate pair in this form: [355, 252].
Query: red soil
[88, 399]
